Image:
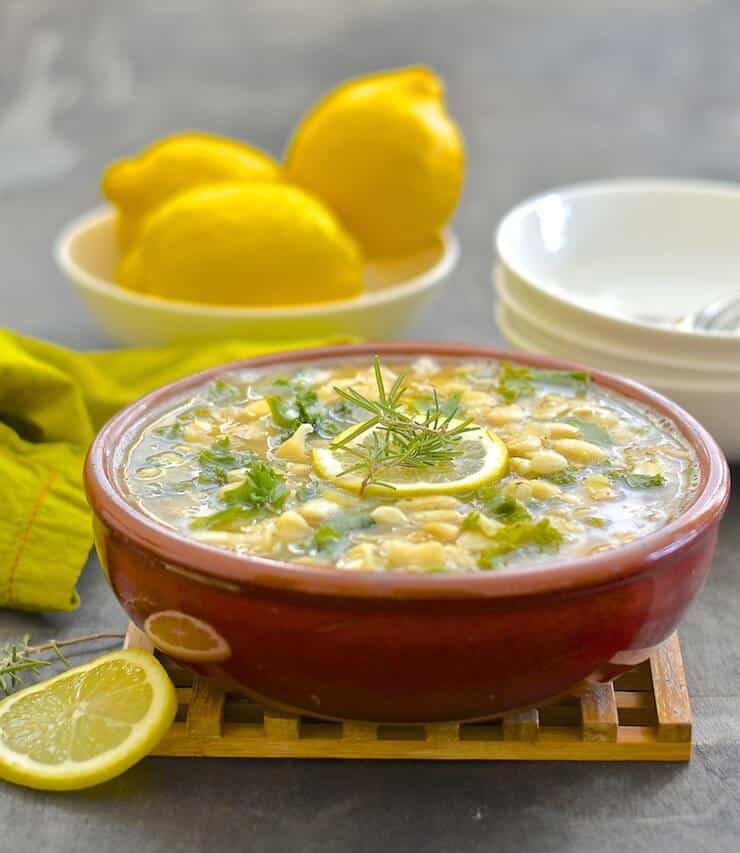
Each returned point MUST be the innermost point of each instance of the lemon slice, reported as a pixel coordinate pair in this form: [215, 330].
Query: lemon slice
[483, 459]
[186, 638]
[86, 725]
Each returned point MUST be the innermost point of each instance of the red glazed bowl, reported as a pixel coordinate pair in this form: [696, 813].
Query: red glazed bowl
[390, 647]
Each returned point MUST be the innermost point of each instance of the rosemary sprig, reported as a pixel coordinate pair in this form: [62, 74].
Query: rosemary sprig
[18, 659]
[398, 440]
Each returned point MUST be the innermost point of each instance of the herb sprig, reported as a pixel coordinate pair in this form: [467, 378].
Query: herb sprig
[19, 659]
[398, 439]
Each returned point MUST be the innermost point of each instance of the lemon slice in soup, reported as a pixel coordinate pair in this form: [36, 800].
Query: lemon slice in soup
[481, 458]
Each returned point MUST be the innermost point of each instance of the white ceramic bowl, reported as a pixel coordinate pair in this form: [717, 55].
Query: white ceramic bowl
[628, 360]
[715, 404]
[394, 291]
[584, 269]
[599, 257]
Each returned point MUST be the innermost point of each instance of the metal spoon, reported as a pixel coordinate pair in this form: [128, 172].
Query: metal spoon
[720, 315]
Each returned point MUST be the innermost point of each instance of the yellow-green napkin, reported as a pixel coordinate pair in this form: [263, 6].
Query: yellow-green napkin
[52, 402]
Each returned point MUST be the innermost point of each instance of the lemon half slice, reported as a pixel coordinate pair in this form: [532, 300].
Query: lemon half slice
[483, 459]
[86, 725]
[186, 638]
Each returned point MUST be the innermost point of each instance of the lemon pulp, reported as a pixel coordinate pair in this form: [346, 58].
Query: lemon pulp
[482, 458]
[88, 724]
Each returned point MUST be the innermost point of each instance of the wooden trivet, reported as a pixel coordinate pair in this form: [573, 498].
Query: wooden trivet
[644, 715]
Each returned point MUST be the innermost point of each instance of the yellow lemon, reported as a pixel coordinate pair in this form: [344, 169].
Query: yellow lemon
[483, 458]
[385, 156]
[139, 185]
[244, 244]
[86, 725]
[186, 638]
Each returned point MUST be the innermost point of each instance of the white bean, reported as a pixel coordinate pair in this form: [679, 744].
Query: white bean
[441, 530]
[389, 515]
[524, 445]
[542, 490]
[548, 462]
[580, 451]
[500, 415]
[291, 526]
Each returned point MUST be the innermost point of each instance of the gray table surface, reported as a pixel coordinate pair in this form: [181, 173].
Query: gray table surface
[546, 93]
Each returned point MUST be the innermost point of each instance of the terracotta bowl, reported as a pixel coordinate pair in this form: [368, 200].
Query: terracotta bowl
[390, 647]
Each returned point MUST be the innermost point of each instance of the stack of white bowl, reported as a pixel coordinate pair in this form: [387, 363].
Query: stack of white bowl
[603, 274]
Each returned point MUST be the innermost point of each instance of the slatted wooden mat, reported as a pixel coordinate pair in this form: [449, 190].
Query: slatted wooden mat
[644, 715]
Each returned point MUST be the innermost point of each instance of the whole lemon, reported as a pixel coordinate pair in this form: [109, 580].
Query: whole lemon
[139, 185]
[244, 244]
[385, 156]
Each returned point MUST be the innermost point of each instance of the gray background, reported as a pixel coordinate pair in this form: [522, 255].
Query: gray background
[546, 93]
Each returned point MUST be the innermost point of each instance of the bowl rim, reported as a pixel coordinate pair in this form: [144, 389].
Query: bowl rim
[213, 565]
[606, 188]
[81, 276]
[507, 285]
[729, 383]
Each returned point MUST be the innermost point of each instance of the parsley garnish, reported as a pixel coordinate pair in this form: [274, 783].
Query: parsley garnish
[636, 481]
[515, 381]
[170, 431]
[512, 537]
[297, 403]
[566, 477]
[590, 431]
[504, 508]
[262, 490]
[216, 461]
[222, 393]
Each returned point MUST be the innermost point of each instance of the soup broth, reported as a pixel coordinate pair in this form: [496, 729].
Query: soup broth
[416, 465]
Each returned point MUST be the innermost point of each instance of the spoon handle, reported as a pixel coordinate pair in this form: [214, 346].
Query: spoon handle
[720, 315]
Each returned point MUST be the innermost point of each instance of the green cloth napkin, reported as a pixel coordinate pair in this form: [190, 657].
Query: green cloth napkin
[52, 402]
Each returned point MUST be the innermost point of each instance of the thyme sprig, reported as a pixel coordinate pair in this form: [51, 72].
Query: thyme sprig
[398, 439]
[19, 659]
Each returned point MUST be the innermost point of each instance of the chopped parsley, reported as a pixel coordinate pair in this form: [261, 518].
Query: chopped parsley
[297, 403]
[590, 431]
[540, 534]
[262, 490]
[504, 508]
[566, 477]
[514, 381]
[636, 481]
[223, 393]
[330, 533]
[170, 431]
[216, 461]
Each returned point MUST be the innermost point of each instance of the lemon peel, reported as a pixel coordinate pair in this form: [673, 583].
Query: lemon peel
[385, 156]
[255, 244]
[88, 724]
[138, 185]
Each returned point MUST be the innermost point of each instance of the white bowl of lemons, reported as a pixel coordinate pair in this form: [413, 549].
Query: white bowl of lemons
[394, 291]
[208, 237]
